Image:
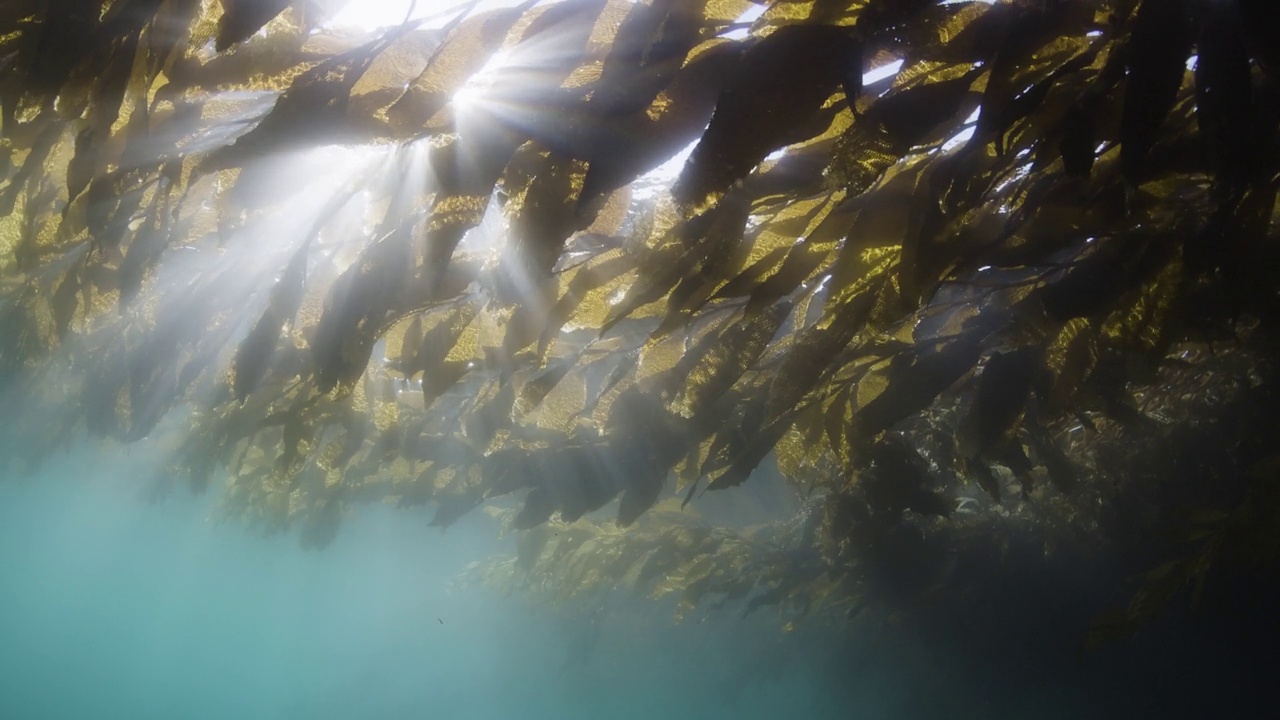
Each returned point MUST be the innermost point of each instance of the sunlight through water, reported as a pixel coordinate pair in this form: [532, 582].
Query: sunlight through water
[633, 359]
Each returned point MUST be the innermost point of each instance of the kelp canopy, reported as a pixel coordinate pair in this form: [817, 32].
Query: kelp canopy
[975, 277]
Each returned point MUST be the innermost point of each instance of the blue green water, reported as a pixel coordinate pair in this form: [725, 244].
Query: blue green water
[112, 607]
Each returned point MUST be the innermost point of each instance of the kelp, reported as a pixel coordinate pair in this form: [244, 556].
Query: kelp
[442, 264]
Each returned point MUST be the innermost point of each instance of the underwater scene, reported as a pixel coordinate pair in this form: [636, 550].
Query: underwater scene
[639, 358]
[114, 606]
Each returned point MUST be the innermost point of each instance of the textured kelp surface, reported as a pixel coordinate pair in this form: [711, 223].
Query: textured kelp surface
[975, 278]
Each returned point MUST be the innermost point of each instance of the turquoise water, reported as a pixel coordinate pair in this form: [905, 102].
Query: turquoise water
[113, 607]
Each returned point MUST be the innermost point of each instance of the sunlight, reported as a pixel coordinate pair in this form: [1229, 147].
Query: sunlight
[658, 180]
[745, 20]
[474, 91]
[882, 72]
[373, 14]
[732, 365]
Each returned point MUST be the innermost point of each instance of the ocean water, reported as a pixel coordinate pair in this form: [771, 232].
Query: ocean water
[115, 607]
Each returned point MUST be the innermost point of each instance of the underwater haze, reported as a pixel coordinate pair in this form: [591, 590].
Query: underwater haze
[607, 359]
[115, 607]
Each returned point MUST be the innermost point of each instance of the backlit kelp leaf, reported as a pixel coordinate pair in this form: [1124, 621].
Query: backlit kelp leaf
[718, 363]
[885, 19]
[1156, 62]
[118, 76]
[250, 363]
[1003, 388]
[573, 21]
[745, 455]
[542, 189]
[45, 135]
[895, 123]
[563, 408]
[21, 323]
[111, 202]
[16, 14]
[1094, 280]
[242, 18]
[873, 250]
[1141, 324]
[253, 354]
[537, 95]
[533, 391]
[587, 286]
[65, 301]
[650, 46]
[778, 85]
[956, 32]
[837, 419]
[490, 413]
[362, 300]
[537, 509]
[145, 250]
[403, 341]
[151, 390]
[383, 84]
[465, 169]
[452, 506]
[802, 260]
[789, 246]
[910, 381]
[928, 248]
[755, 274]
[66, 36]
[314, 110]
[265, 63]
[922, 97]
[465, 50]
[728, 255]
[1041, 43]
[812, 353]
[704, 241]
[647, 442]
[83, 165]
[626, 146]
[575, 478]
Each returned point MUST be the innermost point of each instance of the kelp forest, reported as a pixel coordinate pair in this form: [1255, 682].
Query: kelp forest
[975, 304]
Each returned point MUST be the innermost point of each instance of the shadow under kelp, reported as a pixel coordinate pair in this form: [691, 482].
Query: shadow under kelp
[1014, 645]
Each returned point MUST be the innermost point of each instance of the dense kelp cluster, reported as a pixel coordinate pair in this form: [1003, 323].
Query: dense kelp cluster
[971, 275]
